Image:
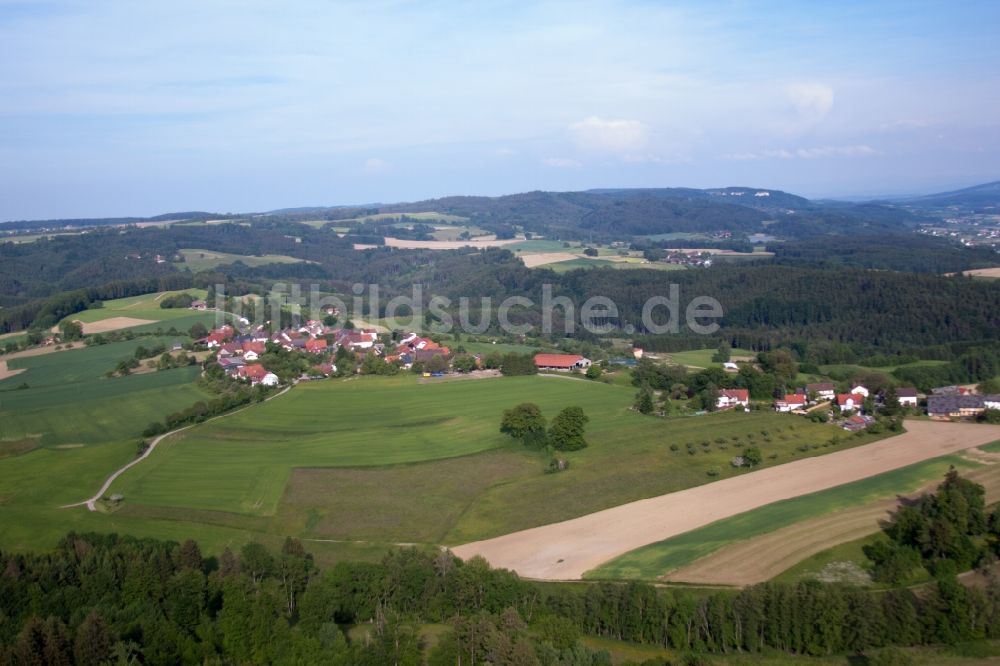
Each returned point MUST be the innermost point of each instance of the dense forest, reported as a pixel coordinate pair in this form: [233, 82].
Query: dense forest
[894, 252]
[97, 598]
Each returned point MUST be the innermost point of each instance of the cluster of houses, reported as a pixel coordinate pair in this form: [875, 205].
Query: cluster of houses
[812, 396]
[951, 402]
[238, 352]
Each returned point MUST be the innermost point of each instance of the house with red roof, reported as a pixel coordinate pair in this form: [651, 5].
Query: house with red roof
[316, 346]
[790, 402]
[729, 398]
[850, 401]
[561, 361]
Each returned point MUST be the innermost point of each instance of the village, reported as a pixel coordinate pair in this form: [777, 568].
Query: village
[238, 353]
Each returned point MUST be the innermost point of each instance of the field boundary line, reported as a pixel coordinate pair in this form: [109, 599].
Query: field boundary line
[92, 502]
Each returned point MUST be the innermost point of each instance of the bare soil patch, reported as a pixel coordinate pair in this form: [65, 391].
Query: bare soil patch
[566, 550]
[113, 324]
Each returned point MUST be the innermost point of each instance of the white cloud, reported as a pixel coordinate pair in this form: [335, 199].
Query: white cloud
[561, 163]
[812, 101]
[609, 134]
[375, 165]
[856, 150]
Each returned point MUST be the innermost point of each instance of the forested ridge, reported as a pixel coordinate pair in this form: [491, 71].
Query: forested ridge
[765, 305]
[101, 597]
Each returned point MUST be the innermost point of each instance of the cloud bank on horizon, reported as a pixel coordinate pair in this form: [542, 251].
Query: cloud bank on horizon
[121, 108]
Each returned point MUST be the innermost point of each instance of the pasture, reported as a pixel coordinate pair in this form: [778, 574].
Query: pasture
[197, 260]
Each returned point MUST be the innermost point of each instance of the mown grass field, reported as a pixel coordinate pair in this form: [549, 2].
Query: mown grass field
[653, 561]
[318, 461]
[197, 260]
[702, 358]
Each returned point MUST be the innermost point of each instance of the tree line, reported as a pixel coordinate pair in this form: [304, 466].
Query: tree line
[97, 598]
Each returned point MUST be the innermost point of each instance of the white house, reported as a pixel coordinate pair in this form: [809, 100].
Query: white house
[907, 397]
[250, 355]
[850, 401]
[790, 402]
[729, 398]
[860, 390]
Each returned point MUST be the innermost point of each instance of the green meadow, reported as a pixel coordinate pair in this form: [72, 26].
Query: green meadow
[65, 433]
[653, 561]
[146, 306]
[318, 460]
[702, 358]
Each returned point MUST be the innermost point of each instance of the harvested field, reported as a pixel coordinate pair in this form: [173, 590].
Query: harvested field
[984, 272]
[6, 373]
[113, 324]
[485, 241]
[545, 258]
[566, 550]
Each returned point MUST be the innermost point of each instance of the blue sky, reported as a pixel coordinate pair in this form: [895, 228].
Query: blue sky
[137, 108]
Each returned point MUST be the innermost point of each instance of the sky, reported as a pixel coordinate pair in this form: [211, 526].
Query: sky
[120, 108]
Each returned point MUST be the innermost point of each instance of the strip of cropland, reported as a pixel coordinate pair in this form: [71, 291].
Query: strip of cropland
[567, 550]
[763, 557]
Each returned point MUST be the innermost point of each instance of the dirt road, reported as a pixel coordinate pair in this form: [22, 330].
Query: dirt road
[566, 550]
[6, 373]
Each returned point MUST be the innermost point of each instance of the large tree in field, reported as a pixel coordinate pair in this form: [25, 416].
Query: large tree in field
[70, 330]
[524, 422]
[566, 433]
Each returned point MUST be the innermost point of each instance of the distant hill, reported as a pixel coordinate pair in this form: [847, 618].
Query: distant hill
[603, 214]
[28, 225]
[975, 199]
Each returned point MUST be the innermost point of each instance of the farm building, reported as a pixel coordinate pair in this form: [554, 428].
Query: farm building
[560, 361]
[729, 398]
[960, 406]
